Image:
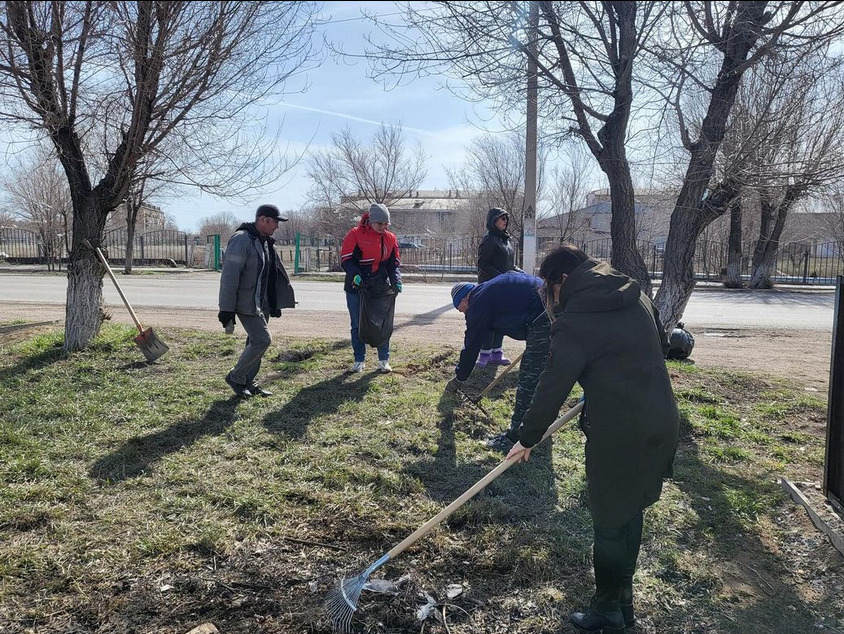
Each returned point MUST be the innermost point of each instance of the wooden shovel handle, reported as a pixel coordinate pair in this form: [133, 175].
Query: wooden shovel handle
[116, 285]
[432, 523]
[497, 379]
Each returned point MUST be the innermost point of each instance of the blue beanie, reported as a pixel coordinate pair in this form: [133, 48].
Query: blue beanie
[459, 291]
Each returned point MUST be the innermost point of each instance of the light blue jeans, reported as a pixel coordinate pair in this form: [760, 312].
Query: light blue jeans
[358, 346]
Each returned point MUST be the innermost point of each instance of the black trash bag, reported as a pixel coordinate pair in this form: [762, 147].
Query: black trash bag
[681, 343]
[377, 310]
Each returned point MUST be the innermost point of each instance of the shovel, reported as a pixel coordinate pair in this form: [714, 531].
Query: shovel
[150, 345]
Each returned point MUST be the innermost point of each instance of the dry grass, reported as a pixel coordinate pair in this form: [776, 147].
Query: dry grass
[143, 498]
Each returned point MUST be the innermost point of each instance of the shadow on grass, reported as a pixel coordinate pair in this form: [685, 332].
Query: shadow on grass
[528, 487]
[19, 370]
[316, 400]
[134, 458]
[291, 361]
[752, 567]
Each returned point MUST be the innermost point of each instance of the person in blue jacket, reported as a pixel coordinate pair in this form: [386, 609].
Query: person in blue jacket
[505, 305]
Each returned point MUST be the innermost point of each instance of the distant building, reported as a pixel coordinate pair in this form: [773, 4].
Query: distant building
[421, 214]
[593, 221]
[150, 218]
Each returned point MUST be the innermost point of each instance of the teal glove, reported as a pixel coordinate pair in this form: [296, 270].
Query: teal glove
[398, 287]
[356, 281]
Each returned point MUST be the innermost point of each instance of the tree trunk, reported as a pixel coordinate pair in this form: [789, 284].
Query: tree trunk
[691, 213]
[678, 280]
[771, 224]
[84, 312]
[764, 268]
[625, 255]
[130, 249]
[734, 254]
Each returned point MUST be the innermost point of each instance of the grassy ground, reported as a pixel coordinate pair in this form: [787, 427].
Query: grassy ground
[144, 498]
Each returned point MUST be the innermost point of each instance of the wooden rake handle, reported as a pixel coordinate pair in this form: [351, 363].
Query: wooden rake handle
[497, 379]
[432, 523]
[116, 285]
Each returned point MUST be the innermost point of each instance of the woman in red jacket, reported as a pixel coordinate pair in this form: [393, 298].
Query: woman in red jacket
[368, 249]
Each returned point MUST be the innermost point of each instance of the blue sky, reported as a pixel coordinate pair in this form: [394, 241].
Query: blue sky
[340, 94]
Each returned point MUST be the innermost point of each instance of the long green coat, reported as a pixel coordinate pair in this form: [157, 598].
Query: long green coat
[606, 338]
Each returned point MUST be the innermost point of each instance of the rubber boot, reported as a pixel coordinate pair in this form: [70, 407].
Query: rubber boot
[498, 358]
[625, 602]
[483, 359]
[604, 614]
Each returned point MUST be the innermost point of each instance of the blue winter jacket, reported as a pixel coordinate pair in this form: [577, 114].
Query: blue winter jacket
[505, 305]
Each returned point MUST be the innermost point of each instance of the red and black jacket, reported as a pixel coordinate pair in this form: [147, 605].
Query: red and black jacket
[365, 251]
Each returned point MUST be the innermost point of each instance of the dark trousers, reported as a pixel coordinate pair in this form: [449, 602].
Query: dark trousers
[614, 557]
[493, 342]
[537, 346]
[358, 346]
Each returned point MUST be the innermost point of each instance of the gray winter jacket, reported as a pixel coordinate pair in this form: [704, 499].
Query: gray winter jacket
[243, 265]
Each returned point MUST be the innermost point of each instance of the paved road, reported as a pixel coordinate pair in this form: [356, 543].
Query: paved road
[805, 310]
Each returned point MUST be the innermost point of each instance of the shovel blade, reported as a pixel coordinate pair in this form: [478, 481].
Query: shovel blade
[150, 345]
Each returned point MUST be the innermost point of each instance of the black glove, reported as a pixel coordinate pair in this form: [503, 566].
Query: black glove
[275, 313]
[225, 317]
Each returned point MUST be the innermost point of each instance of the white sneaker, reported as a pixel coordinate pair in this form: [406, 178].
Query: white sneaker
[357, 367]
[384, 366]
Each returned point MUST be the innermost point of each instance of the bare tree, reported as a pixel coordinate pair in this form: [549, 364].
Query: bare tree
[351, 175]
[584, 55]
[39, 198]
[494, 176]
[806, 160]
[714, 44]
[782, 144]
[224, 224]
[569, 187]
[139, 78]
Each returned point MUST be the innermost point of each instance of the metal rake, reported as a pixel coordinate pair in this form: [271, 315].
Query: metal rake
[342, 601]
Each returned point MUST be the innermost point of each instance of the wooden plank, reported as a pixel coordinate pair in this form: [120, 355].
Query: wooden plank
[205, 628]
[14, 327]
[797, 495]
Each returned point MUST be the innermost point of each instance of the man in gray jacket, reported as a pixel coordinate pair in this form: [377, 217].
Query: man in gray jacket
[254, 286]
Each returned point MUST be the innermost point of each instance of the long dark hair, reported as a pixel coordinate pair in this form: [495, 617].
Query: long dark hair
[561, 261]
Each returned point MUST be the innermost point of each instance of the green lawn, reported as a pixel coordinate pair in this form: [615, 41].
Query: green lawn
[145, 498]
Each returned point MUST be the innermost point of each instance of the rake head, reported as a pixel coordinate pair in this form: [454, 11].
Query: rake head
[342, 602]
[473, 401]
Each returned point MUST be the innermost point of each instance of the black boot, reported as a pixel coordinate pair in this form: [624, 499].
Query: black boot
[626, 604]
[602, 615]
[594, 621]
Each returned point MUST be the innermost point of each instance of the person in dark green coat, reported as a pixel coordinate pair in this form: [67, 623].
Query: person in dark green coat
[606, 335]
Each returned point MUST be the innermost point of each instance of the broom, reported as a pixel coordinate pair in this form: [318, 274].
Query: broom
[342, 601]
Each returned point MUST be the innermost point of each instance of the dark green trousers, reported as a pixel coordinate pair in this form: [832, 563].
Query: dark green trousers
[537, 347]
[614, 557]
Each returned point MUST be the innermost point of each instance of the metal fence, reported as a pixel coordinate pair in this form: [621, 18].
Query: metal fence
[795, 263]
[151, 248]
[26, 247]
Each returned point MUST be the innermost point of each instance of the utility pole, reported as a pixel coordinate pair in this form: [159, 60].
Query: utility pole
[529, 216]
